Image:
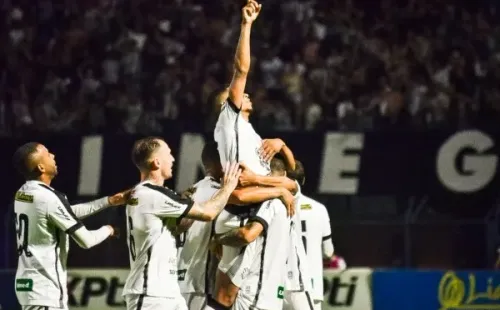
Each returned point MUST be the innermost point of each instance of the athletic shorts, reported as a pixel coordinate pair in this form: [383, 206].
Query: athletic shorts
[143, 302]
[298, 301]
[195, 301]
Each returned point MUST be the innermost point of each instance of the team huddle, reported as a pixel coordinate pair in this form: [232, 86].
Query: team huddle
[244, 237]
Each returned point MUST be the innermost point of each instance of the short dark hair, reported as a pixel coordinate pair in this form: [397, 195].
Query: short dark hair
[298, 174]
[21, 160]
[278, 165]
[143, 149]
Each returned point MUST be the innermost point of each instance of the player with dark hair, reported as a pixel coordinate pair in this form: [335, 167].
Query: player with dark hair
[44, 219]
[152, 282]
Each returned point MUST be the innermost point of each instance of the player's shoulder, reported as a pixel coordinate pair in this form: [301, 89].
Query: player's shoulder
[207, 182]
[38, 193]
[148, 191]
[307, 203]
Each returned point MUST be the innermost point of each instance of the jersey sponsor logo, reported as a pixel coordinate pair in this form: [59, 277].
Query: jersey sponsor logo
[305, 207]
[63, 213]
[181, 274]
[101, 289]
[133, 202]
[340, 293]
[24, 285]
[23, 197]
[173, 204]
[281, 291]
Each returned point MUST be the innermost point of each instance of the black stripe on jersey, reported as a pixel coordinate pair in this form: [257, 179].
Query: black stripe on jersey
[145, 274]
[309, 301]
[261, 270]
[140, 302]
[74, 228]
[259, 220]
[232, 105]
[58, 241]
[209, 262]
[64, 202]
[327, 237]
[173, 196]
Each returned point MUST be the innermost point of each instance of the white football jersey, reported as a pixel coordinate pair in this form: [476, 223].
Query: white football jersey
[194, 259]
[152, 249]
[315, 227]
[264, 285]
[237, 140]
[298, 274]
[44, 219]
[235, 261]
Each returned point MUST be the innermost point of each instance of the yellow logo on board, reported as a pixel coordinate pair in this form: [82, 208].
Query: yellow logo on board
[455, 293]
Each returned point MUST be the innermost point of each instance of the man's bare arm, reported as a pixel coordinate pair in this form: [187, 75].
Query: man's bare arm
[239, 237]
[289, 158]
[209, 210]
[249, 195]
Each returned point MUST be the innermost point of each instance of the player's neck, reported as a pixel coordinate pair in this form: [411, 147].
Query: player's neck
[152, 177]
[45, 179]
[245, 115]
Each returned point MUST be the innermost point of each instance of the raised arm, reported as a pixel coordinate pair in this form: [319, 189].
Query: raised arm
[62, 216]
[254, 194]
[271, 147]
[87, 209]
[248, 178]
[242, 57]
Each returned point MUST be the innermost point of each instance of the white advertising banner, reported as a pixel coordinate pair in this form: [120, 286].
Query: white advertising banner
[96, 289]
[348, 289]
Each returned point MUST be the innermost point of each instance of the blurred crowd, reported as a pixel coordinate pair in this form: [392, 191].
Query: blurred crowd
[143, 66]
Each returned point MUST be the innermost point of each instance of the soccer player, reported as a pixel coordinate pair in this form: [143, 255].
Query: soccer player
[44, 219]
[196, 266]
[152, 282]
[262, 283]
[316, 235]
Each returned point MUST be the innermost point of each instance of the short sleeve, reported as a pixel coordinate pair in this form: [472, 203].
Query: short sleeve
[169, 203]
[61, 215]
[325, 224]
[265, 214]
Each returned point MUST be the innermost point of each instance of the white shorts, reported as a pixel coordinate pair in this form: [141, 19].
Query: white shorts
[298, 301]
[195, 301]
[143, 302]
[41, 308]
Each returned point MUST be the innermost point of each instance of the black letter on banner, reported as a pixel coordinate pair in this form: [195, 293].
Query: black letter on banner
[93, 286]
[114, 285]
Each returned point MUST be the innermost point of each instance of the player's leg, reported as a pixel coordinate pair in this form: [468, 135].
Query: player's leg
[298, 301]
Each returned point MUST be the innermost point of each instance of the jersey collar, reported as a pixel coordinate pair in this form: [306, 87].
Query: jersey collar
[38, 182]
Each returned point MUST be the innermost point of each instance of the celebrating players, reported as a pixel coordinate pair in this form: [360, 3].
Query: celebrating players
[152, 282]
[44, 219]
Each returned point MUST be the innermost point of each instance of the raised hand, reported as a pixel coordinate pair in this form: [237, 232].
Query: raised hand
[251, 11]
[247, 176]
[271, 147]
[120, 198]
[231, 176]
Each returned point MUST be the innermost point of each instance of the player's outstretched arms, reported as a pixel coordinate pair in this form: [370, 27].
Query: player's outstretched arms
[84, 210]
[209, 210]
[253, 194]
[248, 178]
[242, 58]
[242, 236]
[62, 217]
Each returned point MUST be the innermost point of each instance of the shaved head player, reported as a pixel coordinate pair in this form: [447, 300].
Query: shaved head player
[44, 219]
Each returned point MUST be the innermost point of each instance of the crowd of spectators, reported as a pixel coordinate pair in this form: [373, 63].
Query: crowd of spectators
[139, 66]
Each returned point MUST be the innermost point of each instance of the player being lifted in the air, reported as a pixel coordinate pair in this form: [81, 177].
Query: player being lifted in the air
[152, 281]
[44, 219]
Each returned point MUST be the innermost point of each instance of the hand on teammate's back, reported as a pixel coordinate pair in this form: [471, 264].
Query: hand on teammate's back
[247, 177]
[232, 174]
[271, 147]
[289, 201]
[251, 11]
[115, 232]
[120, 198]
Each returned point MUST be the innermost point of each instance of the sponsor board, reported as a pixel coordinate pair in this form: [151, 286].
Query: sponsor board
[436, 290]
[347, 290]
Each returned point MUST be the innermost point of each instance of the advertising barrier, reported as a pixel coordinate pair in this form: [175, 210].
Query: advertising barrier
[347, 290]
[435, 290]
